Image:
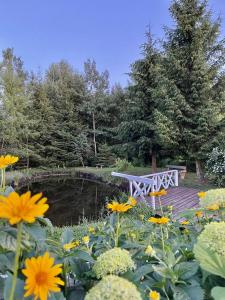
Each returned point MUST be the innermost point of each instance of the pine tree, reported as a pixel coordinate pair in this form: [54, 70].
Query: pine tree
[65, 90]
[195, 61]
[14, 120]
[93, 108]
[150, 112]
[43, 122]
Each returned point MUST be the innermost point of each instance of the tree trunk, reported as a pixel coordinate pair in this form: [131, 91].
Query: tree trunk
[94, 134]
[199, 169]
[154, 162]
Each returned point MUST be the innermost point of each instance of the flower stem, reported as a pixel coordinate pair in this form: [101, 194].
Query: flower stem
[2, 179]
[16, 261]
[117, 230]
[162, 238]
[160, 204]
[65, 279]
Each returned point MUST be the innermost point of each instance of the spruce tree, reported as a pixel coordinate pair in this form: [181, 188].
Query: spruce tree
[93, 108]
[14, 108]
[150, 111]
[195, 61]
[65, 90]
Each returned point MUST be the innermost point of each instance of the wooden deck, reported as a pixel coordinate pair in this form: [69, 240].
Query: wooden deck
[181, 198]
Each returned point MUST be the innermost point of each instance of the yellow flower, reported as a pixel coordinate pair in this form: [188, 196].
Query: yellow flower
[86, 239]
[199, 214]
[119, 207]
[7, 160]
[42, 276]
[185, 222]
[70, 246]
[162, 220]
[132, 201]
[150, 251]
[91, 229]
[153, 295]
[163, 192]
[25, 208]
[213, 207]
[201, 194]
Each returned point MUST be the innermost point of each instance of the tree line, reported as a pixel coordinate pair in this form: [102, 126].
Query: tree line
[172, 108]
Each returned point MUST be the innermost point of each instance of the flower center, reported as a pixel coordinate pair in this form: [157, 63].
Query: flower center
[41, 278]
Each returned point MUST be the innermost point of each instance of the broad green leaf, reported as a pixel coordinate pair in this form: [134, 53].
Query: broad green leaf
[218, 293]
[185, 270]
[142, 271]
[56, 296]
[37, 232]
[210, 261]
[19, 292]
[67, 236]
[84, 256]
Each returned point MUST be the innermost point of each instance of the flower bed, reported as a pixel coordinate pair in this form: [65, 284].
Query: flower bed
[149, 256]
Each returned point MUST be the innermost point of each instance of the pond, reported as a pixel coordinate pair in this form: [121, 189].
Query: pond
[72, 199]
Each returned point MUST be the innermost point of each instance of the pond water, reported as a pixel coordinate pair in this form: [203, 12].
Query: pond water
[72, 199]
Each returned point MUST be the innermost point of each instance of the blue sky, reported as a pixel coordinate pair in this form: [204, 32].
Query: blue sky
[110, 31]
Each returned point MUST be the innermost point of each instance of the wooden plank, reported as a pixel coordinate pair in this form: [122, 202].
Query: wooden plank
[181, 198]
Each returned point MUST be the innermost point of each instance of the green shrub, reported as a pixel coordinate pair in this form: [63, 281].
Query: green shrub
[114, 261]
[113, 288]
[215, 167]
[216, 196]
[210, 248]
[123, 164]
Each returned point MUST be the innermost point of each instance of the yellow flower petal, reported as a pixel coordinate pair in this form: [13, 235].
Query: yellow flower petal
[22, 208]
[41, 277]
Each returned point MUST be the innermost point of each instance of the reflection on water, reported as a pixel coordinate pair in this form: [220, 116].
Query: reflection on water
[71, 199]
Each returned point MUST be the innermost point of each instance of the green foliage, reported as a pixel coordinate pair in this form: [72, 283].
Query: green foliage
[145, 255]
[215, 166]
[113, 287]
[215, 196]
[114, 261]
[122, 164]
[194, 61]
[210, 248]
[218, 293]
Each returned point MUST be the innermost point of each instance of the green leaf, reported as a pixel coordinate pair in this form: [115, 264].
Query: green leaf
[142, 271]
[76, 294]
[67, 236]
[180, 294]
[185, 270]
[194, 290]
[212, 262]
[19, 291]
[8, 240]
[84, 256]
[218, 293]
[56, 296]
[6, 261]
[37, 232]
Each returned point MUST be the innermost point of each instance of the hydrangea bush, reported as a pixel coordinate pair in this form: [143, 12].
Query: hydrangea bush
[213, 197]
[113, 288]
[114, 261]
[215, 166]
[210, 248]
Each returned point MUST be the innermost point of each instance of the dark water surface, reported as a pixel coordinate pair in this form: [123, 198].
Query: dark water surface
[71, 199]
